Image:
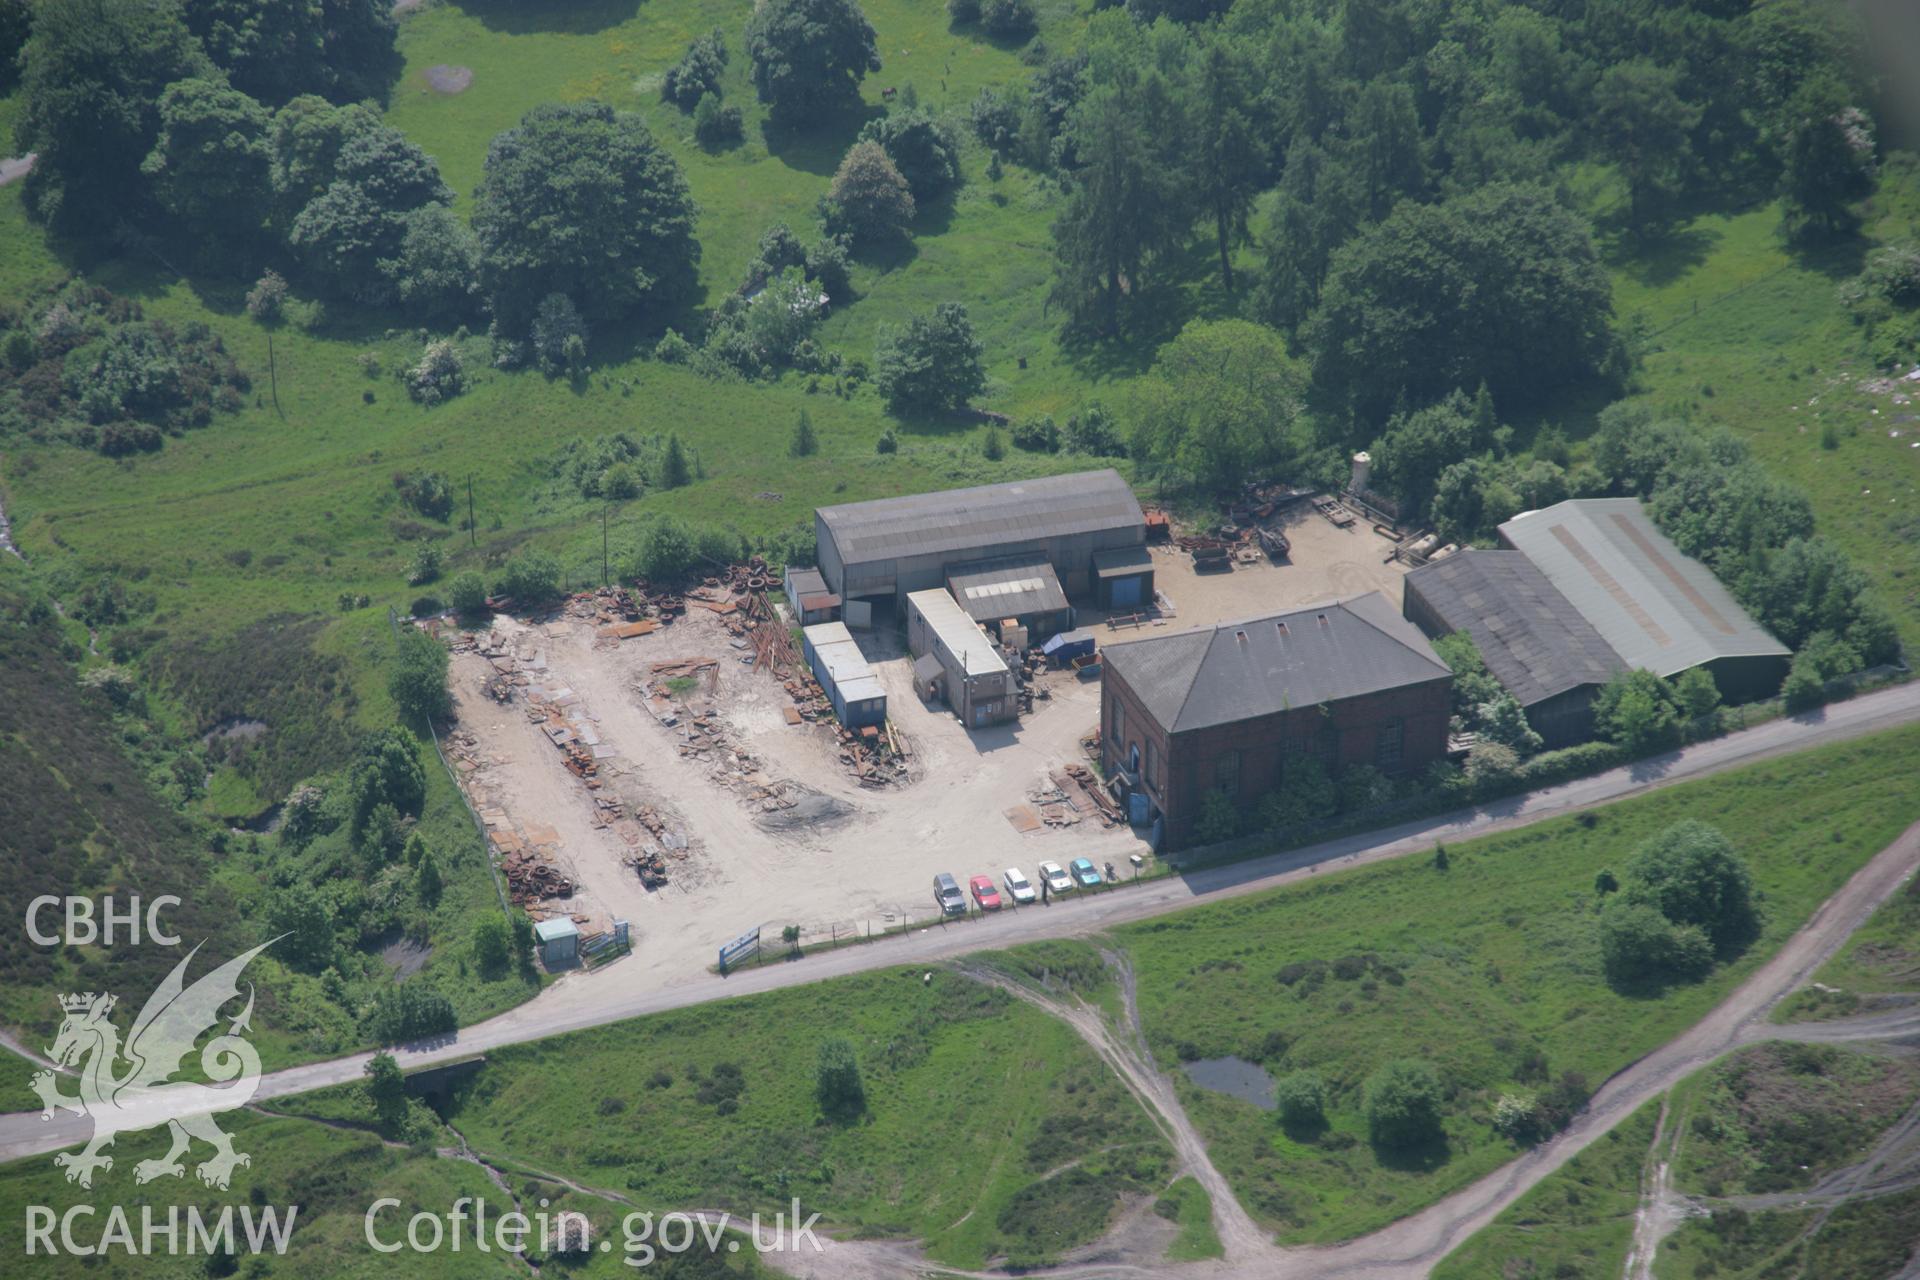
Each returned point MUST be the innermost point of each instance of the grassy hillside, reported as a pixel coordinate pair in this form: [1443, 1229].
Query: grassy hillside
[989, 1130]
[1362, 967]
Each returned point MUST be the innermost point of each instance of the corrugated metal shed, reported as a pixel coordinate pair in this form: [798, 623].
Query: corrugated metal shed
[964, 519]
[960, 634]
[1243, 670]
[1013, 587]
[1654, 606]
[1530, 636]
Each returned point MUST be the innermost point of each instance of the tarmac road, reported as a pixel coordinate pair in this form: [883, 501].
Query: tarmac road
[586, 1000]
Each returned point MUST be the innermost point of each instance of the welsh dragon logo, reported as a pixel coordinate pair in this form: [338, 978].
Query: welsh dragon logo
[130, 1087]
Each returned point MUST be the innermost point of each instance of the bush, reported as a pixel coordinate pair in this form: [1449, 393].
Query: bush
[869, 198]
[425, 566]
[715, 125]
[426, 492]
[697, 74]
[1009, 17]
[667, 551]
[1036, 435]
[467, 593]
[837, 1082]
[439, 375]
[923, 148]
[1639, 711]
[1403, 1100]
[1301, 1099]
[1516, 1117]
[409, 1011]
[1639, 947]
[1692, 873]
[492, 945]
[530, 578]
[1219, 819]
[933, 363]
[418, 680]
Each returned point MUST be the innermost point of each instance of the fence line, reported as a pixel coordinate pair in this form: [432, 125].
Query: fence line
[479, 827]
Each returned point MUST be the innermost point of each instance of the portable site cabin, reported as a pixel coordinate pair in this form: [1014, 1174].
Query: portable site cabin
[559, 943]
[977, 683]
[836, 661]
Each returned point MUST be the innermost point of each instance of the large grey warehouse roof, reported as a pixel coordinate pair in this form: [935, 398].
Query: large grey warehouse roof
[966, 519]
[1654, 606]
[1530, 636]
[1240, 670]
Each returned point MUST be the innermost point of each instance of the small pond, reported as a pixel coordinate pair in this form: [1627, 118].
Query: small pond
[1236, 1077]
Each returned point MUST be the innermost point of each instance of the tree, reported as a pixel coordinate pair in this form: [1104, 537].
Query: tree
[1122, 206]
[580, 199]
[930, 364]
[804, 443]
[437, 274]
[1470, 499]
[698, 72]
[209, 166]
[302, 921]
[810, 55]
[427, 881]
[532, 578]
[1699, 696]
[1383, 146]
[870, 198]
[1219, 818]
[352, 233]
[1638, 710]
[1229, 153]
[922, 147]
[387, 1093]
[1301, 1099]
[559, 336]
[266, 304]
[667, 552]
[16, 24]
[1645, 127]
[418, 680]
[492, 945]
[1501, 285]
[387, 772]
[1219, 407]
[1403, 1102]
[1416, 447]
[92, 75]
[275, 49]
[837, 1081]
[1692, 873]
[1639, 947]
[715, 125]
[674, 471]
[1829, 160]
[1008, 18]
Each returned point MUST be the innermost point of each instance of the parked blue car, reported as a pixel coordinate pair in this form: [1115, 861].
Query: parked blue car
[1084, 873]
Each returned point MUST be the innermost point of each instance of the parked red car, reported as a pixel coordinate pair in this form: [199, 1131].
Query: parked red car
[984, 893]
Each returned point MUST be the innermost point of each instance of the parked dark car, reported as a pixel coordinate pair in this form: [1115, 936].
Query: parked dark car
[947, 895]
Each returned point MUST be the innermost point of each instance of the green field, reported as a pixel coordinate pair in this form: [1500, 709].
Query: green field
[990, 1131]
[1361, 967]
[1577, 1223]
